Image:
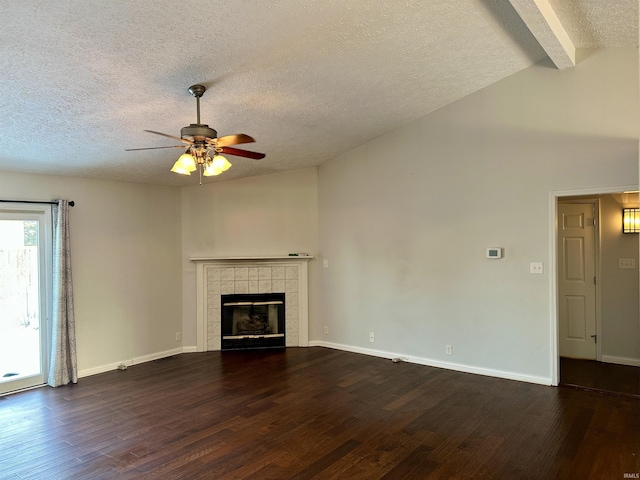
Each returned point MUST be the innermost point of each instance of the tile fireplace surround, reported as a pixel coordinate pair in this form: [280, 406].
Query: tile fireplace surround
[217, 276]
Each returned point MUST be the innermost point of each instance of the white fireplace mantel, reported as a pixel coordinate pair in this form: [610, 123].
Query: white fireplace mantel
[217, 276]
[246, 259]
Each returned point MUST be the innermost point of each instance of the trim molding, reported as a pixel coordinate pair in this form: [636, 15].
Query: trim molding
[134, 361]
[436, 363]
[630, 361]
[554, 335]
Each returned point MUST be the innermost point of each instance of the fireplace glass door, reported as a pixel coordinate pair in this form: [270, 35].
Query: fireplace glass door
[253, 321]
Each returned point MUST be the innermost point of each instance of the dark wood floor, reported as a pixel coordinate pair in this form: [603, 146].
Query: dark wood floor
[600, 376]
[305, 413]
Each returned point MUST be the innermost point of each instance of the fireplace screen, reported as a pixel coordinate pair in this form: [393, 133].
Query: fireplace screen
[253, 321]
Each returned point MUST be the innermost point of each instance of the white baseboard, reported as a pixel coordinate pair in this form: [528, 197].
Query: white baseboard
[133, 361]
[436, 363]
[365, 351]
[632, 362]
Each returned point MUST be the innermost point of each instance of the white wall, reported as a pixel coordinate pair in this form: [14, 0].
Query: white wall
[620, 314]
[267, 215]
[125, 241]
[405, 219]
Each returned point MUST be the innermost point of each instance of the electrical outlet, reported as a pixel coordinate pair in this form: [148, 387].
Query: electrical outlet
[325, 263]
[326, 330]
[449, 350]
[536, 267]
[178, 336]
[372, 337]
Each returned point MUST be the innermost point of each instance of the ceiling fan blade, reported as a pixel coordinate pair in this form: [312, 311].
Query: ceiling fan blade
[236, 139]
[183, 140]
[152, 148]
[242, 153]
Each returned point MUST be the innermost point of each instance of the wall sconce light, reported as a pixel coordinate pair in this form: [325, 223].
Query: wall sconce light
[631, 220]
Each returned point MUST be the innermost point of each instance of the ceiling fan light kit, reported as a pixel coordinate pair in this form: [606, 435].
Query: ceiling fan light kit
[204, 148]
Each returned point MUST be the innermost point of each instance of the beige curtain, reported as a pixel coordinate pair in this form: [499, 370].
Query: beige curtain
[63, 363]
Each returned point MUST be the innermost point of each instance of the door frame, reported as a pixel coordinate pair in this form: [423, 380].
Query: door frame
[554, 332]
[45, 246]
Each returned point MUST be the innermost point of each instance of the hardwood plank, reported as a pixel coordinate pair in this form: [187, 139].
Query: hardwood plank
[415, 464]
[325, 461]
[600, 376]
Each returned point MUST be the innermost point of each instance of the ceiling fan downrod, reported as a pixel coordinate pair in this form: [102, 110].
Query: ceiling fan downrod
[197, 91]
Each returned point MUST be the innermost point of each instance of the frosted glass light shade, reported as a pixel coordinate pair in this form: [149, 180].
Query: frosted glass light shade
[211, 170]
[218, 165]
[184, 165]
[222, 163]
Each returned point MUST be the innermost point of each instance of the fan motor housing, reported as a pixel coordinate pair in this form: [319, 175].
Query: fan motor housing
[198, 130]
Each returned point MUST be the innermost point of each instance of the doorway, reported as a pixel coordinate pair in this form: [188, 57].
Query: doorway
[25, 259]
[595, 314]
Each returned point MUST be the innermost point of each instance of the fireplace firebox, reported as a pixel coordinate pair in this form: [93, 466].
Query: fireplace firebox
[253, 321]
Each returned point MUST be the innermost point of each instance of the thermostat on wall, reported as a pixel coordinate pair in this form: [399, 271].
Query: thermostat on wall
[494, 252]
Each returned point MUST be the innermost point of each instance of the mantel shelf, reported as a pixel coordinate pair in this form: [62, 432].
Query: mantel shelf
[240, 259]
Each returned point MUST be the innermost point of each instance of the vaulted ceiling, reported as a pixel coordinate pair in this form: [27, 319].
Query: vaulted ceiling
[308, 79]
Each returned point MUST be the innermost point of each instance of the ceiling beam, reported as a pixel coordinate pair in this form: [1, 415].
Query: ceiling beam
[545, 26]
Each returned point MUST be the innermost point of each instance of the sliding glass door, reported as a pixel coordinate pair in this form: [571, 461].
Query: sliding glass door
[25, 259]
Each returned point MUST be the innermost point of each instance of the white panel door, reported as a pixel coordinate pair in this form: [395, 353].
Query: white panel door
[576, 280]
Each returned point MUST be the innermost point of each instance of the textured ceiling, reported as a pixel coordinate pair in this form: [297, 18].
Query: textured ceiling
[307, 79]
[599, 23]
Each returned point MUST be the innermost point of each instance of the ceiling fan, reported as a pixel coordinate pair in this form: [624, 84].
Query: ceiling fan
[203, 146]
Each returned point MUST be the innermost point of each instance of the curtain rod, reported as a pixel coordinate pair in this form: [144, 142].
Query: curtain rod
[71, 202]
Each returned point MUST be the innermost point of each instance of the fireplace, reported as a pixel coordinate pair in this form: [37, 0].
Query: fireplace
[253, 321]
[218, 276]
